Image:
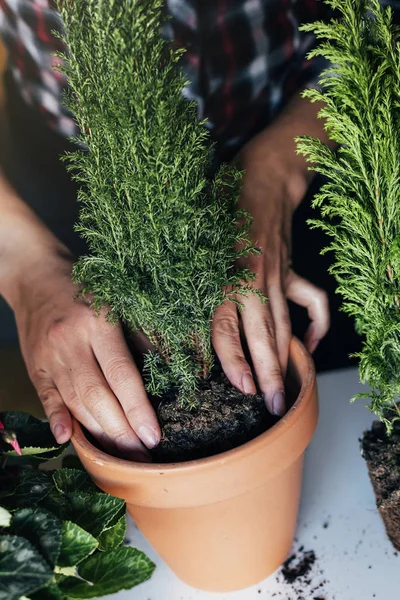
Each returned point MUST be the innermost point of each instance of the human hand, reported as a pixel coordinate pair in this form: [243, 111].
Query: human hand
[80, 364]
[272, 188]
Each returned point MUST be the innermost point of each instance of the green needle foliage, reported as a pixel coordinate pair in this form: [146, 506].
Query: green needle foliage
[360, 203]
[163, 236]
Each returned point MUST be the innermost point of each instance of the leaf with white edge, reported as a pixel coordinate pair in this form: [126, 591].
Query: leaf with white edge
[41, 528]
[5, 517]
[27, 458]
[76, 545]
[64, 571]
[32, 451]
[74, 480]
[71, 461]
[117, 517]
[108, 573]
[28, 487]
[30, 431]
[93, 512]
[23, 569]
[51, 454]
[114, 536]
[56, 503]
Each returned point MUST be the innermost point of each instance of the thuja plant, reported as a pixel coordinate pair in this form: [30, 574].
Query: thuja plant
[162, 230]
[60, 535]
[360, 201]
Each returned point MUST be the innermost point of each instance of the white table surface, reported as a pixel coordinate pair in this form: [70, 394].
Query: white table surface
[338, 519]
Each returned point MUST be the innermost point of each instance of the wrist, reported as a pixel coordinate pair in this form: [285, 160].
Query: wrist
[275, 167]
[273, 153]
[34, 272]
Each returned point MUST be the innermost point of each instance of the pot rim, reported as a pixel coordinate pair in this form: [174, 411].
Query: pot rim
[269, 436]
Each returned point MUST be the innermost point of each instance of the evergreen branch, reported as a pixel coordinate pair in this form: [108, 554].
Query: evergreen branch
[163, 237]
[359, 203]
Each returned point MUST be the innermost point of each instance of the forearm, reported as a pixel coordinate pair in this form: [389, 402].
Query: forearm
[276, 147]
[274, 183]
[78, 361]
[26, 244]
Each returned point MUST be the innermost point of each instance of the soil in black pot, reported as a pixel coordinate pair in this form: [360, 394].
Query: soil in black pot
[382, 454]
[222, 419]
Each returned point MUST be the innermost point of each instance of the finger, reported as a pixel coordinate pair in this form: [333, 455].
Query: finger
[259, 329]
[94, 392]
[79, 411]
[316, 302]
[125, 381]
[56, 411]
[227, 345]
[282, 326]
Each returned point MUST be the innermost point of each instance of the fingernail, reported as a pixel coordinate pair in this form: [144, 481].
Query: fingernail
[148, 436]
[279, 404]
[59, 433]
[248, 384]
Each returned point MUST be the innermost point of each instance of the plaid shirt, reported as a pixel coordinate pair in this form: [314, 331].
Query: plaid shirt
[244, 59]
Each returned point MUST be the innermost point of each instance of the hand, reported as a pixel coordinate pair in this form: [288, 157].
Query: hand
[271, 191]
[81, 365]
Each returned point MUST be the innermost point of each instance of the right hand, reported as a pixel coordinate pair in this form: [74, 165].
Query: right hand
[80, 365]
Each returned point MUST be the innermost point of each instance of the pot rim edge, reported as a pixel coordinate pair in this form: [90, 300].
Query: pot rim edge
[269, 436]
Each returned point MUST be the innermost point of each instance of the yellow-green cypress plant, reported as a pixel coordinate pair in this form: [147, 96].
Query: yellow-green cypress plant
[360, 201]
[163, 235]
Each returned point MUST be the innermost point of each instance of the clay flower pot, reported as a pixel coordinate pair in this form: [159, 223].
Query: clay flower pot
[225, 522]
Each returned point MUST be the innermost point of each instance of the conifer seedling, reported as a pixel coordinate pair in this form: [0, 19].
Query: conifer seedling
[163, 233]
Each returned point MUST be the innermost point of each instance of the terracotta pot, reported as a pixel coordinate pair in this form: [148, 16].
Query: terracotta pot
[225, 522]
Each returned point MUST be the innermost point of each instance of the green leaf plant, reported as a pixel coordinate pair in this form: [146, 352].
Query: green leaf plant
[60, 535]
[162, 224]
[360, 200]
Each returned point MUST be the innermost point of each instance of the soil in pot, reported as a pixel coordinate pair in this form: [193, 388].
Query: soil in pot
[223, 418]
[382, 454]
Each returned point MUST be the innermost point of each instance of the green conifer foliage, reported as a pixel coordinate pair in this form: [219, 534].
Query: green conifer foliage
[163, 237]
[360, 203]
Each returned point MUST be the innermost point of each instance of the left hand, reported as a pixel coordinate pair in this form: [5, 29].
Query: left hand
[271, 191]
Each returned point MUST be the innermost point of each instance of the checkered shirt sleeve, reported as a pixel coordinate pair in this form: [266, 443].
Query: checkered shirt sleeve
[244, 59]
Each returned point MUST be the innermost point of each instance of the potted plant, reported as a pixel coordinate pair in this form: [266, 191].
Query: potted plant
[219, 503]
[361, 213]
[60, 535]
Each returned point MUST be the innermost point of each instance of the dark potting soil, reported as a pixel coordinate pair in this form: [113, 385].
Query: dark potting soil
[222, 419]
[382, 455]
